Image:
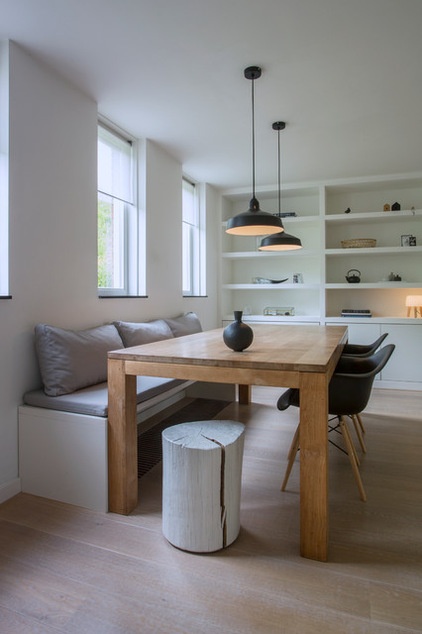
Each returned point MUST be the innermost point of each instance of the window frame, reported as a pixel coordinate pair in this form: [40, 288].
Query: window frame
[132, 236]
[193, 240]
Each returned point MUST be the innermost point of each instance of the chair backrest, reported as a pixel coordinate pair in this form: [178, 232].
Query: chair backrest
[351, 384]
[364, 349]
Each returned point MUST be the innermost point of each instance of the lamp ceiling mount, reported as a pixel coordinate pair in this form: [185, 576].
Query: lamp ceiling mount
[279, 125]
[252, 72]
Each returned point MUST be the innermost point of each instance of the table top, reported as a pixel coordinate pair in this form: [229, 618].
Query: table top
[307, 348]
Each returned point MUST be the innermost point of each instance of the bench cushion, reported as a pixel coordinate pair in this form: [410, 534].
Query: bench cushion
[136, 334]
[64, 363]
[93, 400]
[186, 324]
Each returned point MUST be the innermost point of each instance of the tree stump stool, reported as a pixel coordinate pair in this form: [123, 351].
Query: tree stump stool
[202, 470]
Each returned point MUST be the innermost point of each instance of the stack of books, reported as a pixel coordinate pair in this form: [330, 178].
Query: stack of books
[356, 312]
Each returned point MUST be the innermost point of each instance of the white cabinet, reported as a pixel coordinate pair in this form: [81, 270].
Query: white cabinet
[405, 364]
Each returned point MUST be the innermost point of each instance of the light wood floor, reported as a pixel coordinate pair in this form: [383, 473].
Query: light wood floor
[65, 569]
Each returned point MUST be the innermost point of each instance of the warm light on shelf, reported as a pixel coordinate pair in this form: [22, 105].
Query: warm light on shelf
[415, 302]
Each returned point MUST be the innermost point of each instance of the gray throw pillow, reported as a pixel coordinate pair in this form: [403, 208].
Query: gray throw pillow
[70, 360]
[136, 334]
[186, 324]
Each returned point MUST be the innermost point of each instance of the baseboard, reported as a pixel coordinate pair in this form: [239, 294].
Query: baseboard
[398, 385]
[10, 489]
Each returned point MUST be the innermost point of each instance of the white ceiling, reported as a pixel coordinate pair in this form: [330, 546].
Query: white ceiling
[345, 75]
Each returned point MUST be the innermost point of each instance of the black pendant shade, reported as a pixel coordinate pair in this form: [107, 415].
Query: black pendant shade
[279, 241]
[254, 222]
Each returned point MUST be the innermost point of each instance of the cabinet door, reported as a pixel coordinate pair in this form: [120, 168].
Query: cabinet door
[363, 333]
[405, 363]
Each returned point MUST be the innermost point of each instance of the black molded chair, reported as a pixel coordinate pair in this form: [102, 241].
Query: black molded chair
[348, 395]
[362, 350]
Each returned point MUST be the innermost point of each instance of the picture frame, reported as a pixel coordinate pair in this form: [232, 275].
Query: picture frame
[405, 240]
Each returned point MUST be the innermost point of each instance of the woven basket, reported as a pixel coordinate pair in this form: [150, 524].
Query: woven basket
[358, 243]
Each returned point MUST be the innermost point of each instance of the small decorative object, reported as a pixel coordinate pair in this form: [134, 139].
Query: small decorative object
[405, 240]
[297, 278]
[395, 207]
[387, 207]
[394, 277]
[287, 214]
[353, 276]
[278, 311]
[238, 335]
[347, 211]
[412, 241]
[266, 280]
[415, 302]
[356, 312]
[358, 243]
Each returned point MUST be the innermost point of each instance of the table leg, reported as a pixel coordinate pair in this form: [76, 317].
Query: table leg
[244, 394]
[122, 440]
[313, 466]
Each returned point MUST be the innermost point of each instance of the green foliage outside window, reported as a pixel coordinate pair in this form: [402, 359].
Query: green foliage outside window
[105, 277]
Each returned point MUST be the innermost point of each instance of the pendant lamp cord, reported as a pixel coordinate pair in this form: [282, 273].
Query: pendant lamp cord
[253, 138]
[279, 174]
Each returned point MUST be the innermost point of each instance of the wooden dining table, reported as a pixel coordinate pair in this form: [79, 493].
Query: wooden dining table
[300, 356]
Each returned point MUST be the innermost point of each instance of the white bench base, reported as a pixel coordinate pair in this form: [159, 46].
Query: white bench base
[64, 456]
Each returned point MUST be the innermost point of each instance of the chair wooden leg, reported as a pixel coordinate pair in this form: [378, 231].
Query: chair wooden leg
[358, 432]
[362, 428]
[294, 447]
[351, 452]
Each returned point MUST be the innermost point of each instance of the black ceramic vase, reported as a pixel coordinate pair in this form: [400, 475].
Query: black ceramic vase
[238, 335]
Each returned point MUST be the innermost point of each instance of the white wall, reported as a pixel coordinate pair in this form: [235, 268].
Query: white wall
[53, 271]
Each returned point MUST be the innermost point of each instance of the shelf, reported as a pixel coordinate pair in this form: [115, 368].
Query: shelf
[374, 251]
[368, 217]
[299, 253]
[373, 285]
[276, 318]
[373, 320]
[270, 287]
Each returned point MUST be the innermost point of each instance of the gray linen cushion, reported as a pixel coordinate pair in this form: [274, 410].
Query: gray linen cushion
[186, 324]
[70, 360]
[93, 400]
[136, 334]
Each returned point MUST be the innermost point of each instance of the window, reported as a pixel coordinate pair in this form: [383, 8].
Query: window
[118, 221]
[193, 242]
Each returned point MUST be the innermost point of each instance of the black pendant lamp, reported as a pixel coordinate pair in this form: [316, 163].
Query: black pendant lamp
[254, 222]
[279, 241]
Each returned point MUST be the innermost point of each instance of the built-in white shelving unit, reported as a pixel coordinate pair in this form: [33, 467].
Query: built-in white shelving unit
[322, 224]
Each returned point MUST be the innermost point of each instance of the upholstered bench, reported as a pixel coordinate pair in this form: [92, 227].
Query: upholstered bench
[63, 424]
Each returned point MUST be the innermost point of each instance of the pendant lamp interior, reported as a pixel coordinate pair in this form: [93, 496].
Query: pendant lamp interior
[254, 222]
[280, 241]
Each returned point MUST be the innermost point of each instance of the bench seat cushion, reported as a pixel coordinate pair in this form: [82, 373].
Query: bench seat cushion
[93, 400]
